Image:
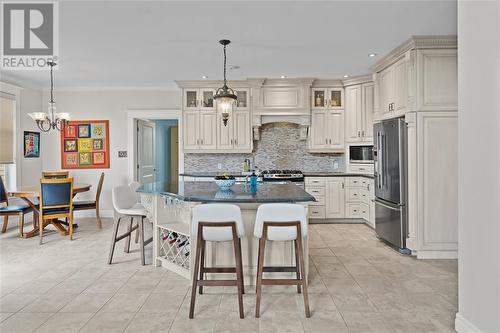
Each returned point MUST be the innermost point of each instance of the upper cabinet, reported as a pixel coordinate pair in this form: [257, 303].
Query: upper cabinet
[237, 135]
[243, 99]
[327, 131]
[327, 98]
[359, 113]
[419, 75]
[199, 130]
[198, 99]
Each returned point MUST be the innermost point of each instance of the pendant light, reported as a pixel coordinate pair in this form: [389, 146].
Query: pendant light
[225, 98]
[51, 120]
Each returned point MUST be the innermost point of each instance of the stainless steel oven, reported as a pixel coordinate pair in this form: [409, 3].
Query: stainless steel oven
[360, 154]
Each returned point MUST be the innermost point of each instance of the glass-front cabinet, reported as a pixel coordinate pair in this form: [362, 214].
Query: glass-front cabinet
[242, 102]
[201, 99]
[327, 98]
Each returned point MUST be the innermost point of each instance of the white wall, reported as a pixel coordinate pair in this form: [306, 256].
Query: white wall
[479, 166]
[110, 105]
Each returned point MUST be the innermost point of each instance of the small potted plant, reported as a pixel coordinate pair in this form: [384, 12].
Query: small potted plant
[225, 181]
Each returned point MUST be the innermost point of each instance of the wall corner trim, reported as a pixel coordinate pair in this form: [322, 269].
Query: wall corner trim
[462, 325]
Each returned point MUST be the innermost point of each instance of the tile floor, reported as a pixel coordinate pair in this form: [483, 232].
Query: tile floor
[357, 284]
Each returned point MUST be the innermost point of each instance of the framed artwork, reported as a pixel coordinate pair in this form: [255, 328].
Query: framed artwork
[31, 144]
[85, 144]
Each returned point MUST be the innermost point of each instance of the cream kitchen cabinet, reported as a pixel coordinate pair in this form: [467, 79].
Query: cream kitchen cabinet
[237, 135]
[327, 131]
[198, 99]
[335, 197]
[200, 131]
[327, 98]
[359, 112]
[393, 93]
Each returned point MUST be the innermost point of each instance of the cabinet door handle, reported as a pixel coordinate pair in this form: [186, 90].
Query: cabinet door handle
[359, 134]
[326, 141]
[235, 142]
[330, 141]
[342, 184]
[362, 133]
[231, 141]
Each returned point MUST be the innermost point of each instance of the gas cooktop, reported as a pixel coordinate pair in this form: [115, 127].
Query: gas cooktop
[283, 174]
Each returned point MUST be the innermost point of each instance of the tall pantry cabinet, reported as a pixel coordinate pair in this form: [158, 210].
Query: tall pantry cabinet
[418, 81]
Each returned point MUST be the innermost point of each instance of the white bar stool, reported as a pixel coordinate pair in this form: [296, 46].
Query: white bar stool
[281, 222]
[125, 205]
[217, 223]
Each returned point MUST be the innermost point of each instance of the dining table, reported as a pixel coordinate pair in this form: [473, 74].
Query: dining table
[29, 193]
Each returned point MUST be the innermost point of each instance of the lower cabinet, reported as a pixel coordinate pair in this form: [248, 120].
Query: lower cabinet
[339, 197]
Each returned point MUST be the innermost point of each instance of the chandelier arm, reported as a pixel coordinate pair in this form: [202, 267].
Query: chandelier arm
[40, 123]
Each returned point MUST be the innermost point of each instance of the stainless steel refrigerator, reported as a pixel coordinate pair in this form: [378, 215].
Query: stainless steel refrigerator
[390, 158]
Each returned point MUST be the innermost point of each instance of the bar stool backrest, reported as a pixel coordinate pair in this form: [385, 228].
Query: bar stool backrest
[280, 212]
[217, 213]
[134, 186]
[123, 198]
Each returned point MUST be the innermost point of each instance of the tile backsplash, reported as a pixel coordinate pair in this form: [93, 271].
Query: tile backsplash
[279, 147]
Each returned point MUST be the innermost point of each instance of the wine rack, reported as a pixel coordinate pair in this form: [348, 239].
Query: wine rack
[175, 247]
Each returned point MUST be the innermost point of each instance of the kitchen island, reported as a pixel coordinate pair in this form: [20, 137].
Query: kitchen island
[169, 206]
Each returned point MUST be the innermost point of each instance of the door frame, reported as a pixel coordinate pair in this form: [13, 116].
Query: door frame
[151, 114]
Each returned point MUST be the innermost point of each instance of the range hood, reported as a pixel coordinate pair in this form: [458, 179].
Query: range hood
[281, 100]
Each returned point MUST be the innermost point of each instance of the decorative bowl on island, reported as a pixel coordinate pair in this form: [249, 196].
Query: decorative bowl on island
[225, 182]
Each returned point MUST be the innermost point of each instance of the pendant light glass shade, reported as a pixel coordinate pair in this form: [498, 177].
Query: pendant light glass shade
[225, 98]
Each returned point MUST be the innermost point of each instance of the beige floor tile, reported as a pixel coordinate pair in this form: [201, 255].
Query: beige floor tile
[65, 323]
[362, 322]
[104, 286]
[5, 315]
[199, 325]
[285, 322]
[206, 305]
[107, 322]
[125, 303]
[36, 287]
[71, 286]
[49, 302]
[354, 302]
[23, 322]
[149, 323]
[15, 302]
[87, 303]
[233, 323]
[317, 303]
[167, 304]
[324, 322]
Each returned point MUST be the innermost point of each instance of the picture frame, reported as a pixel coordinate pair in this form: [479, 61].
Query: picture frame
[31, 143]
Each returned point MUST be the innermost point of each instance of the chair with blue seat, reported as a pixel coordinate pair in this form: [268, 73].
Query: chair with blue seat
[11, 210]
[217, 223]
[56, 201]
[92, 204]
[281, 222]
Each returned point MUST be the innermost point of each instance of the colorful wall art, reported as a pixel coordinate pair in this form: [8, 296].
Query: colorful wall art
[85, 144]
[31, 144]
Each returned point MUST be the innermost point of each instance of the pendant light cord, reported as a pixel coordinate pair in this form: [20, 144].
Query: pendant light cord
[224, 65]
[51, 83]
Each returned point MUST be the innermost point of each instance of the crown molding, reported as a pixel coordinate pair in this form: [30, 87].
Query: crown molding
[358, 80]
[211, 83]
[418, 43]
[113, 88]
[327, 83]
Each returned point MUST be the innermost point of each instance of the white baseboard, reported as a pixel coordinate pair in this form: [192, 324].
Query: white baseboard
[462, 325]
[424, 254]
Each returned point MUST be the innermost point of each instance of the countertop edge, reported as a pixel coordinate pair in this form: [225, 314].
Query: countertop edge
[306, 174]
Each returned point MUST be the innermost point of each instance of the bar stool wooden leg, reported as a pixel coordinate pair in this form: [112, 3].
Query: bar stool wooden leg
[114, 235]
[297, 268]
[126, 249]
[141, 240]
[195, 273]
[202, 264]
[303, 272]
[260, 269]
[239, 270]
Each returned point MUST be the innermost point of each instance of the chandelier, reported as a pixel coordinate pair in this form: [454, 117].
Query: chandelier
[225, 98]
[51, 120]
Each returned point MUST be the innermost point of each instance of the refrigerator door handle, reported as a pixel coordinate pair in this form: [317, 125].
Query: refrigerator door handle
[386, 206]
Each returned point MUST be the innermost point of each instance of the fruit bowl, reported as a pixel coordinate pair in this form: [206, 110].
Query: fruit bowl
[225, 183]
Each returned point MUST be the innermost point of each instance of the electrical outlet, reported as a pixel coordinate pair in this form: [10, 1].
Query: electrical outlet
[219, 166]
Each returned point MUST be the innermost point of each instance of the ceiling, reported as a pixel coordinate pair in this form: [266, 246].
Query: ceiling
[152, 43]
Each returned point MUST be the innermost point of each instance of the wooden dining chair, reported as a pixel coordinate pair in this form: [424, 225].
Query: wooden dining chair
[11, 210]
[56, 201]
[92, 204]
[55, 174]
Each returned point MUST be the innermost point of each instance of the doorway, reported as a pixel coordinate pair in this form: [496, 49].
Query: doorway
[157, 151]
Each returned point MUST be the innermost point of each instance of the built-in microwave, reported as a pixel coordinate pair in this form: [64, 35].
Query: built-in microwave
[361, 154]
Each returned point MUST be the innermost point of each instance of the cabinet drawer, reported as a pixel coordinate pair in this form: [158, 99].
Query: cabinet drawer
[364, 195]
[365, 211]
[315, 191]
[354, 181]
[354, 194]
[361, 168]
[320, 201]
[317, 212]
[353, 210]
[315, 181]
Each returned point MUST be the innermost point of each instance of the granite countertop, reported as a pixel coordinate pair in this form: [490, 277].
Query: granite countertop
[306, 174]
[239, 193]
[336, 174]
